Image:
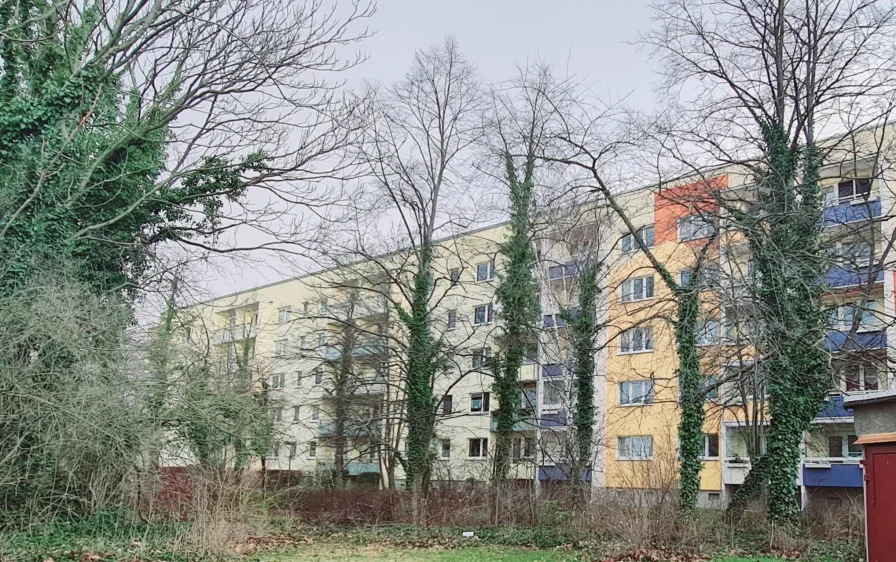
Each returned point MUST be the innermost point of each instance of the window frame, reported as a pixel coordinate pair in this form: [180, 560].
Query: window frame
[491, 271]
[627, 289]
[553, 383]
[645, 399]
[452, 320]
[628, 244]
[705, 455]
[620, 448]
[482, 446]
[484, 403]
[312, 449]
[626, 348]
[284, 314]
[488, 314]
[699, 228]
[443, 449]
[701, 330]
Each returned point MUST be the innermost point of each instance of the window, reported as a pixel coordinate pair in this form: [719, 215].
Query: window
[284, 315]
[454, 275]
[843, 446]
[708, 277]
[531, 354]
[855, 254]
[856, 190]
[452, 319]
[554, 393]
[292, 449]
[479, 402]
[299, 377]
[710, 446]
[296, 411]
[447, 404]
[277, 414]
[306, 308]
[637, 289]
[634, 448]
[480, 358]
[636, 340]
[303, 343]
[445, 449]
[739, 325]
[636, 392]
[312, 450]
[323, 306]
[707, 332]
[860, 377]
[628, 241]
[523, 448]
[318, 376]
[281, 348]
[484, 271]
[483, 314]
[321, 339]
[478, 448]
[554, 320]
[842, 318]
[694, 227]
[278, 381]
[315, 413]
[711, 387]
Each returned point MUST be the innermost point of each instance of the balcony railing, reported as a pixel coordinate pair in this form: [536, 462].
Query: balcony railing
[363, 350]
[234, 334]
[526, 422]
[356, 468]
[849, 210]
[833, 473]
[351, 429]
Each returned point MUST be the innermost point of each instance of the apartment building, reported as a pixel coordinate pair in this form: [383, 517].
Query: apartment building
[328, 346]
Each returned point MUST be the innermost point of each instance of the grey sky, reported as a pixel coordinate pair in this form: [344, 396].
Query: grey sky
[591, 40]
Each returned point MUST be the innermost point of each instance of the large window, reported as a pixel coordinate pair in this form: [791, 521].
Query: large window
[859, 377]
[850, 191]
[843, 446]
[523, 448]
[634, 448]
[707, 278]
[633, 393]
[628, 243]
[843, 317]
[697, 226]
[637, 289]
[636, 340]
[478, 448]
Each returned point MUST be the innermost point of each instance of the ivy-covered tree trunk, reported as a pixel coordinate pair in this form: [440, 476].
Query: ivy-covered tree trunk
[584, 329]
[690, 378]
[518, 295]
[421, 366]
[788, 259]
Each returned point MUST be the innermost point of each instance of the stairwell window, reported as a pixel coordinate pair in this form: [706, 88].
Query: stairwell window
[483, 314]
[323, 306]
[447, 404]
[634, 448]
[479, 402]
[454, 275]
[637, 289]
[636, 393]
[312, 449]
[636, 340]
[296, 411]
[710, 446]
[315, 413]
[445, 449]
[299, 377]
[318, 376]
[478, 448]
[277, 414]
[452, 319]
[292, 449]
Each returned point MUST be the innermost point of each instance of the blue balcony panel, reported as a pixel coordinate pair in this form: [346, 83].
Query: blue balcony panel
[559, 473]
[833, 476]
[553, 420]
[839, 277]
[845, 213]
[834, 409]
[861, 341]
[552, 370]
[354, 468]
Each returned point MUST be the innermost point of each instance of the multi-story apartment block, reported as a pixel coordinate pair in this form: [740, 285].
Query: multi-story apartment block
[328, 344]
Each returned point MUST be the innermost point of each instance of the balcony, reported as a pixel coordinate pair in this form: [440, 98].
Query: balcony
[833, 473]
[557, 419]
[363, 350]
[834, 410]
[357, 468]
[839, 277]
[526, 422]
[559, 473]
[852, 210]
[234, 334]
[352, 429]
[860, 341]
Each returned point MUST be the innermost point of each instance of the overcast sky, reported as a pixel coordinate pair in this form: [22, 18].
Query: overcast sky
[593, 40]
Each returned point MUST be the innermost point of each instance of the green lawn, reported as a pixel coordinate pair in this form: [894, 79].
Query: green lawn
[328, 552]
